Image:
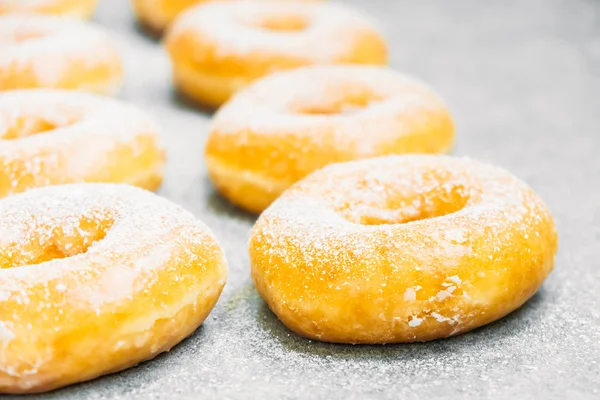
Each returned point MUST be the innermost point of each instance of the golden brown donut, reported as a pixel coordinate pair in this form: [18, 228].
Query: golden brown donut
[292, 123]
[53, 52]
[401, 249]
[69, 8]
[96, 278]
[218, 48]
[50, 137]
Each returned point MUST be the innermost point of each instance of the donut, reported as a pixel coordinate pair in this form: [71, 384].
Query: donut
[39, 51]
[292, 123]
[70, 8]
[51, 137]
[156, 15]
[401, 249]
[217, 48]
[96, 278]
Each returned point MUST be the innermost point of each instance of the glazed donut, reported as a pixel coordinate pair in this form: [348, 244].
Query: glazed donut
[95, 278]
[156, 15]
[55, 52]
[292, 123]
[217, 48]
[50, 137]
[69, 8]
[401, 249]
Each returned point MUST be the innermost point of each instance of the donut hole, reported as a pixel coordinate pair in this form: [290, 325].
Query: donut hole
[417, 209]
[337, 101]
[280, 22]
[385, 206]
[57, 243]
[29, 125]
[21, 35]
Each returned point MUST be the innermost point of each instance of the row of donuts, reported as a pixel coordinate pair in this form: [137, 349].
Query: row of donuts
[313, 268]
[382, 250]
[356, 243]
[155, 15]
[267, 137]
[94, 277]
[48, 62]
[216, 47]
[93, 271]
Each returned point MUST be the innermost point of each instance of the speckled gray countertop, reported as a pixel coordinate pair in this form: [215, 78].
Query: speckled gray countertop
[523, 80]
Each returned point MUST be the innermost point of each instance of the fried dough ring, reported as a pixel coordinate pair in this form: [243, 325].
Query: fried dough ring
[95, 278]
[401, 249]
[219, 47]
[39, 51]
[50, 137]
[292, 123]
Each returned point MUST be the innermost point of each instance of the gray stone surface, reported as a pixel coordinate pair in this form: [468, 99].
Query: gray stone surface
[523, 80]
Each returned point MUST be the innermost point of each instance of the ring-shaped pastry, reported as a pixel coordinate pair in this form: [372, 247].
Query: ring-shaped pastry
[39, 51]
[219, 47]
[292, 123]
[401, 249]
[95, 278]
[50, 137]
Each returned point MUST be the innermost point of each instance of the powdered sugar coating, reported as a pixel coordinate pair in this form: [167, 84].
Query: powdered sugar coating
[292, 123]
[399, 188]
[330, 34]
[364, 235]
[90, 138]
[108, 219]
[97, 257]
[47, 51]
[349, 108]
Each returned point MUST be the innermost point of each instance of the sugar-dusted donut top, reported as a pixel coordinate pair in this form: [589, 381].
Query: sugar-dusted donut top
[48, 44]
[81, 220]
[419, 200]
[324, 94]
[317, 115]
[102, 242]
[319, 31]
[42, 115]
[62, 133]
